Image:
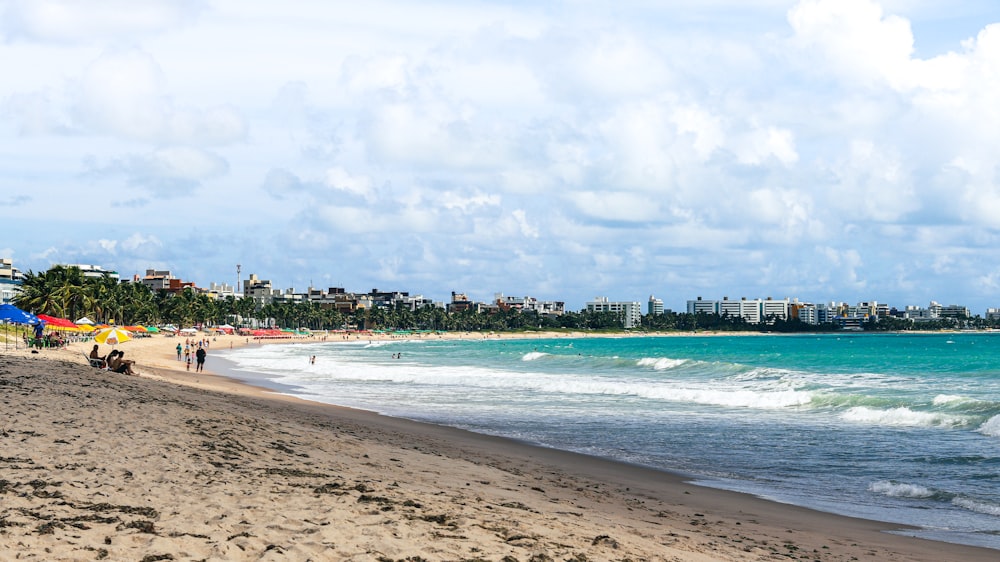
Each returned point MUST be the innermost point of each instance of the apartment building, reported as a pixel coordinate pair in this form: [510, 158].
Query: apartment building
[631, 312]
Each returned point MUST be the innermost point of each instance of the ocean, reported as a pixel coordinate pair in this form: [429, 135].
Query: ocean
[903, 428]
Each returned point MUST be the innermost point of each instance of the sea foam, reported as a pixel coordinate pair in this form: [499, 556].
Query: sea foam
[660, 363]
[977, 506]
[991, 427]
[900, 490]
[902, 417]
[533, 355]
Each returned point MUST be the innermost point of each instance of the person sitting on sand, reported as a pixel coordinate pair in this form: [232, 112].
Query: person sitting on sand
[95, 354]
[119, 364]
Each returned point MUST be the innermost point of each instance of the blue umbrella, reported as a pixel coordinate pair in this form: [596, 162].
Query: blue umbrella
[10, 313]
[14, 314]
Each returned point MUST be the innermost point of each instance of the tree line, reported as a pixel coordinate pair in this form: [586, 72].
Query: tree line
[66, 292]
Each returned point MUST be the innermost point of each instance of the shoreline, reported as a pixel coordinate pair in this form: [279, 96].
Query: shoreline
[470, 478]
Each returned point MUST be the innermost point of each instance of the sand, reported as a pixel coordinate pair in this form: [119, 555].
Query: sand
[171, 465]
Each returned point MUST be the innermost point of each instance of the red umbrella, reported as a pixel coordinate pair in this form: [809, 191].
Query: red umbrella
[52, 321]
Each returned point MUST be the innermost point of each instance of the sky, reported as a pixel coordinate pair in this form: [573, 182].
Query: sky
[825, 150]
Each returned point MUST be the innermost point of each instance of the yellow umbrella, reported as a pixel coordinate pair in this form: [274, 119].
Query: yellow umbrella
[112, 336]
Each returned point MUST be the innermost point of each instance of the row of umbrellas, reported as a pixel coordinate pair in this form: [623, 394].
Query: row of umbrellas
[110, 335]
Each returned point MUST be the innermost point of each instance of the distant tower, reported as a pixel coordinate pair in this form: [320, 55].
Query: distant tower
[655, 305]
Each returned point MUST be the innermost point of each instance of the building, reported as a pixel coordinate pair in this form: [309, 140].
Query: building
[221, 291]
[854, 317]
[701, 306]
[529, 304]
[630, 312]
[654, 305]
[94, 271]
[936, 311]
[10, 281]
[163, 281]
[259, 290]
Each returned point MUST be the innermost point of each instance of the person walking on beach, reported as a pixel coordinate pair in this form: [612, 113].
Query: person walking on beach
[178, 351]
[200, 355]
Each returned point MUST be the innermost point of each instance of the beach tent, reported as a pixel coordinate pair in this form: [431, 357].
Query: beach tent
[14, 315]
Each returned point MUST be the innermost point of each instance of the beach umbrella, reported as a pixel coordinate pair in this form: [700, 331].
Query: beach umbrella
[152, 329]
[85, 320]
[112, 336]
[53, 322]
[14, 315]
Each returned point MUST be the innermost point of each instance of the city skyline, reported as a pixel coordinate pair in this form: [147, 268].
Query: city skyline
[162, 279]
[819, 149]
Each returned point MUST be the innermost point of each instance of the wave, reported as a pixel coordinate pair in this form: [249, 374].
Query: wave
[533, 355]
[901, 490]
[950, 399]
[903, 417]
[734, 398]
[986, 508]
[660, 363]
[991, 427]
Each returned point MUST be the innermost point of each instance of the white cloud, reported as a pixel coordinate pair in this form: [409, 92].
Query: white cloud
[125, 93]
[73, 21]
[167, 172]
[855, 38]
[720, 134]
[339, 179]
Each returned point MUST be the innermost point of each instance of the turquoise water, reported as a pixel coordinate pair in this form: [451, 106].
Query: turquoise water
[900, 428]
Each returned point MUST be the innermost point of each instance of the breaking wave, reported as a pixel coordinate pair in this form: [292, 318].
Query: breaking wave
[900, 490]
[661, 363]
[903, 417]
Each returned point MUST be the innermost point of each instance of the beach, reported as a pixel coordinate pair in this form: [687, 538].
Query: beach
[180, 465]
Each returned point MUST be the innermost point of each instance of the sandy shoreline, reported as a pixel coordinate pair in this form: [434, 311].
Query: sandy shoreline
[95, 465]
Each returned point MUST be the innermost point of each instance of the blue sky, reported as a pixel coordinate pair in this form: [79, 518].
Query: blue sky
[820, 149]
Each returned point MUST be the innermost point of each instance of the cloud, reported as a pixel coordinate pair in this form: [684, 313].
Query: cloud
[124, 93]
[281, 183]
[854, 38]
[340, 180]
[15, 201]
[81, 21]
[164, 173]
[724, 136]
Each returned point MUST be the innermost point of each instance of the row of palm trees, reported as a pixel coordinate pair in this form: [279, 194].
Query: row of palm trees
[65, 292]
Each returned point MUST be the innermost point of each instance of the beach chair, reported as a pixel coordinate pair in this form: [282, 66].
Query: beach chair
[95, 363]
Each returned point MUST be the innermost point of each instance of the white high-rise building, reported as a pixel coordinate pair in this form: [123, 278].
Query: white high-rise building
[631, 312]
[654, 306]
[701, 305]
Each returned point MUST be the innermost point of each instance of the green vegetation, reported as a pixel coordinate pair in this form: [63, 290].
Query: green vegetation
[66, 293]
